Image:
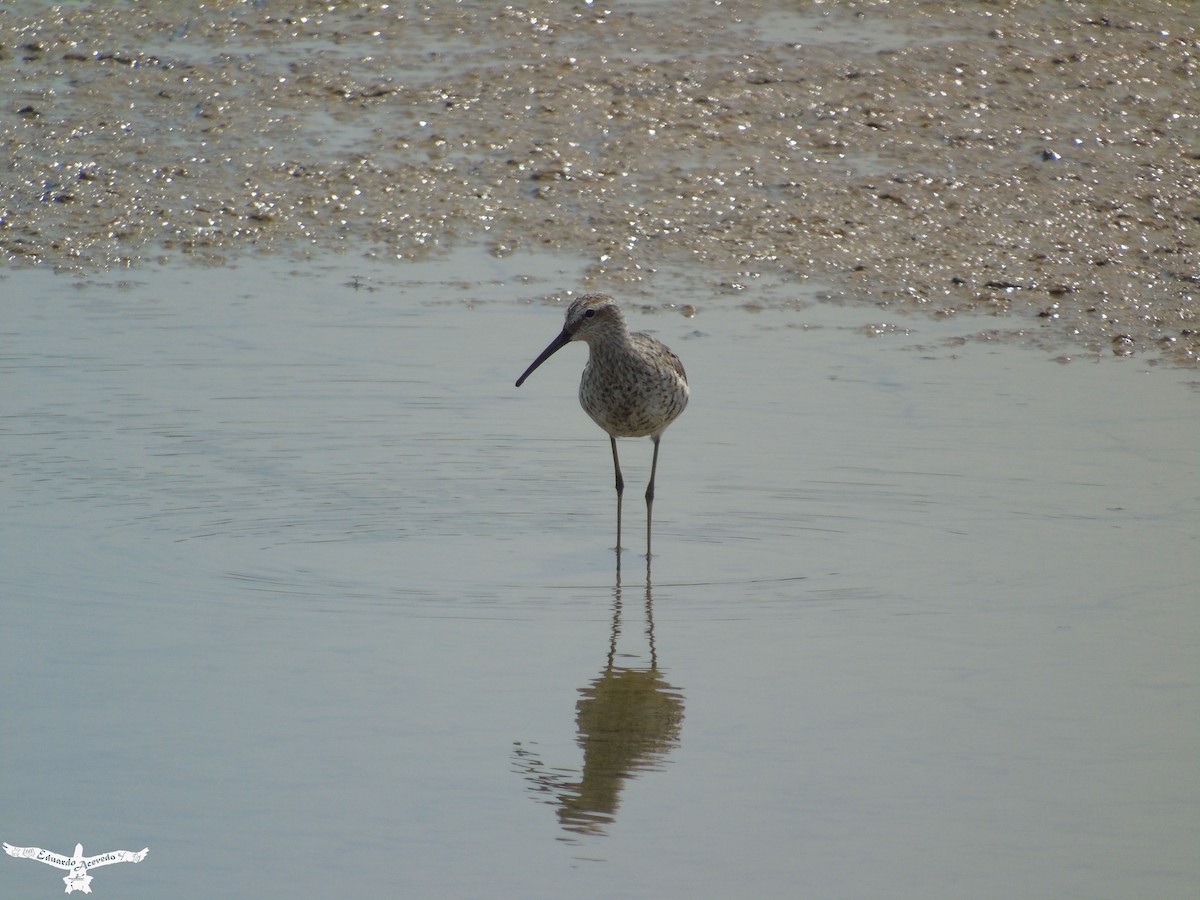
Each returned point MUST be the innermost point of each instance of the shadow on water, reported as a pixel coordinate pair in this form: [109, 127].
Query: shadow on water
[628, 719]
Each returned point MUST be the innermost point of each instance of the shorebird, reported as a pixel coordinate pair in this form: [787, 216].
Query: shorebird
[632, 385]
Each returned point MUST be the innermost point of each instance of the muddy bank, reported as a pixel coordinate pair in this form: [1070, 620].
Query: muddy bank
[1035, 161]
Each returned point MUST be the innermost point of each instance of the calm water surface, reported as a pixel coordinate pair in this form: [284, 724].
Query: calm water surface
[302, 594]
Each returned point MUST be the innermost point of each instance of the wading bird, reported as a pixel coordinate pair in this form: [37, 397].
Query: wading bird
[632, 385]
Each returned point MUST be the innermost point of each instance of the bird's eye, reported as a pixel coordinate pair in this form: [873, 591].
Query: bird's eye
[589, 313]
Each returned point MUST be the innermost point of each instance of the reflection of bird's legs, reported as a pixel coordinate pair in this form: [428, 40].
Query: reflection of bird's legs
[616, 620]
[650, 618]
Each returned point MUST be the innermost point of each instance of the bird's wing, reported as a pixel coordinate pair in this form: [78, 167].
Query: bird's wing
[37, 854]
[115, 856]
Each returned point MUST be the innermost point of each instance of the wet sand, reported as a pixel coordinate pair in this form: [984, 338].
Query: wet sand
[1034, 161]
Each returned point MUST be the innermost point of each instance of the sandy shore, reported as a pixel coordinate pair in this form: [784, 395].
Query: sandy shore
[1038, 161]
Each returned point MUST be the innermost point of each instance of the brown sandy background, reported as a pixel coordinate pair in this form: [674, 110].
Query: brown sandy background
[1034, 160]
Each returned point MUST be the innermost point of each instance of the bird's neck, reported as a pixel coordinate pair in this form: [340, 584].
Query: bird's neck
[613, 345]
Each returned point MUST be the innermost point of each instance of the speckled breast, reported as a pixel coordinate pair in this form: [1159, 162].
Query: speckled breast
[635, 394]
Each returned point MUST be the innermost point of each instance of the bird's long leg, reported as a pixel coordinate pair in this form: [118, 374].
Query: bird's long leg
[620, 491]
[650, 493]
[617, 465]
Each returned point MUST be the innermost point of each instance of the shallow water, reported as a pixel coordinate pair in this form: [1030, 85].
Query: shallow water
[300, 590]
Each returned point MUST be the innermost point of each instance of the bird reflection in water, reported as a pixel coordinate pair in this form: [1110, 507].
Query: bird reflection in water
[628, 720]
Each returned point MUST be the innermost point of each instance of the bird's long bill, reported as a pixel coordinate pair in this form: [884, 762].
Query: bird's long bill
[555, 345]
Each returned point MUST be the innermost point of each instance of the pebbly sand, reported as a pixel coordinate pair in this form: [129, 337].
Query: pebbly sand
[1036, 161]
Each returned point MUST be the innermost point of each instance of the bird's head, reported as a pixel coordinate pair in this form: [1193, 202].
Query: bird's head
[591, 317]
